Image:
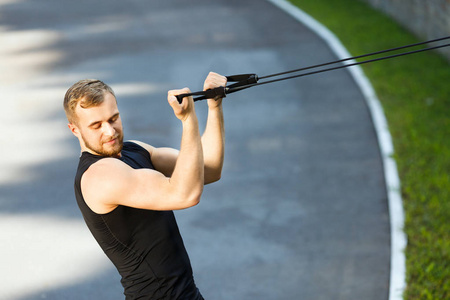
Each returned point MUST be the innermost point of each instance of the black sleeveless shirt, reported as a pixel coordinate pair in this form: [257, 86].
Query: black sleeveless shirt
[145, 246]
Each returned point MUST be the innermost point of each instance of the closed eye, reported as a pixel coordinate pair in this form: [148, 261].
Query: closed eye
[95, 125]
[114, 118]
[98, 124]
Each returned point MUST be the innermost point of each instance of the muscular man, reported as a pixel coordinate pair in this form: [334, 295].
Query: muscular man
[127, 191]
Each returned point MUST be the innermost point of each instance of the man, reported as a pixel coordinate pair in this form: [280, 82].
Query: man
[127, 191]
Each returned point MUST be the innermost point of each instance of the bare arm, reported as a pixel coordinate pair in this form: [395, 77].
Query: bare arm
[213, 139]
[109, 182]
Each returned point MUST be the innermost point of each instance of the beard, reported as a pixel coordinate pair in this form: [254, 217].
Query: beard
[106, 150]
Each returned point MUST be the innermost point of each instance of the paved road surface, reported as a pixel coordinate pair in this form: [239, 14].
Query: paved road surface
[301, 210]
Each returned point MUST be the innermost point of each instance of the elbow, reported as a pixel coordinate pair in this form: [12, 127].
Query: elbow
[212, 175]
[193, 200]
[194, 197]
[213, 179]
[181, 201]
[217, 175]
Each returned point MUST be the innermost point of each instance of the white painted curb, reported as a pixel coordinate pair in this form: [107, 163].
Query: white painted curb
[398, 237]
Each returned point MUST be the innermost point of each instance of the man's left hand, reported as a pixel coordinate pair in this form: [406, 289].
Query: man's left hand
[214, 80]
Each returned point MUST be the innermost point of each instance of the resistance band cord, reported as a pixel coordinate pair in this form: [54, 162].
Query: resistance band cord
[244, 81]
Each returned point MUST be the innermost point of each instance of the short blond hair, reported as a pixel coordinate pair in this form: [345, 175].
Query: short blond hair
[87, 92]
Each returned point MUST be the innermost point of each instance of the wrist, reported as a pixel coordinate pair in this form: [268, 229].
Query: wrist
[215, 108]
[189, 119]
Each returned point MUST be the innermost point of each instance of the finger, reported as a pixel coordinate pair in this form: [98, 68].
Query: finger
[214, 80]
[178, 92]
[172, 100]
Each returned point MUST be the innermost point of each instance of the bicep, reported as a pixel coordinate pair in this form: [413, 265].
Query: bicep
[142, 188]
[106, 187]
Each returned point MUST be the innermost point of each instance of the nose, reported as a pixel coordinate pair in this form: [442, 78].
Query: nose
[108, 129]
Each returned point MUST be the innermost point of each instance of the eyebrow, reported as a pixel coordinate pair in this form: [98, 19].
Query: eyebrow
[93, 124]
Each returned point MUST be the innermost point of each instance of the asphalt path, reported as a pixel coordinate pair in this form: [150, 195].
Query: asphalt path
[301, 210]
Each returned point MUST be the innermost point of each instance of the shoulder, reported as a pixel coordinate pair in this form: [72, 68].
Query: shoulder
[104, 175]
[100, 179]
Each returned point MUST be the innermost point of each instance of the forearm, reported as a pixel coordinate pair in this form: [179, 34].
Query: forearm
[213, 142]
[188, 175]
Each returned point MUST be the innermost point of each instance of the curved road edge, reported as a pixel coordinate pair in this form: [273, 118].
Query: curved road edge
[396, 214]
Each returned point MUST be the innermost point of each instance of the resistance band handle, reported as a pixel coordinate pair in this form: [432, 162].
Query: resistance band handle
[242, 81]
[218, 92]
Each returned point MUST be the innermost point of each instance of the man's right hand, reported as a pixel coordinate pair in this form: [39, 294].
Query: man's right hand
[182, 111]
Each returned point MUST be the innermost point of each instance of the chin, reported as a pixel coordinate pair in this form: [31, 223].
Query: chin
[106, 151]
[114, 152]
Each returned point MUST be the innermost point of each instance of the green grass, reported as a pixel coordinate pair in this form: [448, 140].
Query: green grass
[415, 93]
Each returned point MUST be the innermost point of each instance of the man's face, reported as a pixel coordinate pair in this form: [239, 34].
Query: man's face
[99, 128]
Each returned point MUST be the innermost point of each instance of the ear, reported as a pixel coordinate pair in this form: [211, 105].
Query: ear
[74, 129]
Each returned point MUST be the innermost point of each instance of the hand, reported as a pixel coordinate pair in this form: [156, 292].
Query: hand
[212, 81]
[181, 110]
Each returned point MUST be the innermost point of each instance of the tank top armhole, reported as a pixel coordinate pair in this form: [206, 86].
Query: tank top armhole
[140, 149]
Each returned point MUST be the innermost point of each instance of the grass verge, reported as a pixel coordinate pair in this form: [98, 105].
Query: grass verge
[415, 93]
